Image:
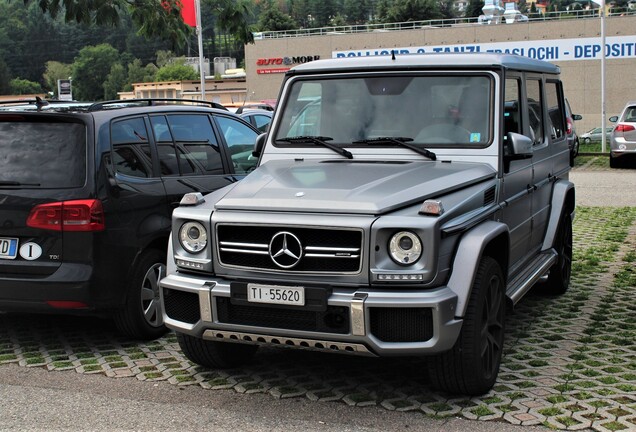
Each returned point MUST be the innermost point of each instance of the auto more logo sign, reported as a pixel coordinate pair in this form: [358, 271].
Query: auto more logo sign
[556, 50]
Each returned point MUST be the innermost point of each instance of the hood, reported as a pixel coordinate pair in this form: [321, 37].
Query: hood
[358, 187]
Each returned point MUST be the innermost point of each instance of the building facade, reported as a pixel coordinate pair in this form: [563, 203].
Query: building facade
[572, 44]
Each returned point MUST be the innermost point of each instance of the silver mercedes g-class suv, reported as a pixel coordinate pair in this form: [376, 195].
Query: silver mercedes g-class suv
[400, 204]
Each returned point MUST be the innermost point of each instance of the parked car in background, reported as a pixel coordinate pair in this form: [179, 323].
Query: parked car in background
[240, 107]
[595, 135]
[573, 138]
[623, 137]
[258, 118]
[86, 196]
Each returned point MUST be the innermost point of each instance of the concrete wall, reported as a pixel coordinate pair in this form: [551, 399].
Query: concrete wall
[581, 78]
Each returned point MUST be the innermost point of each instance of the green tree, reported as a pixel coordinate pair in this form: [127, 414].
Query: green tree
[176, 72]
[19, 86]
[448, 9]
[115, 81]
[474, 8]
[413, 10]
[5, 78]
[356, 11]
[139, 74]
[55, 71]
[273, 19]
[90, 69]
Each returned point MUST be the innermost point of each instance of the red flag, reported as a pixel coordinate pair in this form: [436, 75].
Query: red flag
[188, 12]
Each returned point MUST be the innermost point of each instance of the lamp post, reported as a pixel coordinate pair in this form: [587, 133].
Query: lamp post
[603, 107]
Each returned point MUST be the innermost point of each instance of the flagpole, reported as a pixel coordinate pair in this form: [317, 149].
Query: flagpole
[197, 6]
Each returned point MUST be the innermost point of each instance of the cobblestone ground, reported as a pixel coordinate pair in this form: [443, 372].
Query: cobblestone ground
[569, 361]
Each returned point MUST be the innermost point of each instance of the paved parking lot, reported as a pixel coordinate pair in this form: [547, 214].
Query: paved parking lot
[569, 362]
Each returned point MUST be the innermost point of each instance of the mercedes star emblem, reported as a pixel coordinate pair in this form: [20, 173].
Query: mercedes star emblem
[285, 249]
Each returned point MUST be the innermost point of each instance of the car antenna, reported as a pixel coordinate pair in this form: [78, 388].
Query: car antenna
[39, 102]
[392, 54]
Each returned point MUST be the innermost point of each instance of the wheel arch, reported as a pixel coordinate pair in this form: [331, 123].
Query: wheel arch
[490, 238]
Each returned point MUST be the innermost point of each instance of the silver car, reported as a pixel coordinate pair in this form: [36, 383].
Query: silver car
[623, 137]
[595, 135]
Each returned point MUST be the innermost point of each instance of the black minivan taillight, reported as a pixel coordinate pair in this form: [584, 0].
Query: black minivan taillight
[75, 215]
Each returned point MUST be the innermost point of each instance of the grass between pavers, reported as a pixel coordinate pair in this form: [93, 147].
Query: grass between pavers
[568, 361]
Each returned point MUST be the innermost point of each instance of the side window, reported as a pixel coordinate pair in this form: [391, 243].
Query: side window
[555, 110]
[262, 122]
[130, 149]
[512, 118]
[535, 112]
[186, 145]
[240, 142]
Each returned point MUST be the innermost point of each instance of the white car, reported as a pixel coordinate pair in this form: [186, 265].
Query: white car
[623, 137]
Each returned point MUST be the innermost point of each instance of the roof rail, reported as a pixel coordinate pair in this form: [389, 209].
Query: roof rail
[151, 102]
[37, 101]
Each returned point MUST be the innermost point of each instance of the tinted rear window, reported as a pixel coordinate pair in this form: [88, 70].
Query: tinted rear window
[42, 154]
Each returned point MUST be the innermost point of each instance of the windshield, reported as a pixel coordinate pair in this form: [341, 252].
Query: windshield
[432, 110]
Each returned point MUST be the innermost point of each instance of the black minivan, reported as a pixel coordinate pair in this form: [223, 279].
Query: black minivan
[86, 196]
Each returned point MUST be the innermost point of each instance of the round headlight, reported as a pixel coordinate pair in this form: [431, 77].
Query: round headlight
[193, 237]
[405, 248]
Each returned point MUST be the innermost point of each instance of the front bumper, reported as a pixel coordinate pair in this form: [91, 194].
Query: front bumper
[379, 322]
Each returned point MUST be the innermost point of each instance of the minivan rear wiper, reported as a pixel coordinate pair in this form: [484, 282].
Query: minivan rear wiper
[400, 141]
[15, 183]
[320, 140]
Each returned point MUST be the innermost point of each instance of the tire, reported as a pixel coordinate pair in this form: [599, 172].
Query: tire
[576, 147]
[613, 162]
[141, 317]
[587, 140]
[560, 273]
[472, 365]
[213, 354]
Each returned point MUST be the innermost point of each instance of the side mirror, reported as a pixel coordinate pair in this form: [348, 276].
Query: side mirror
[577, 117]
[518, 146]
[259, 144]
[613, 119]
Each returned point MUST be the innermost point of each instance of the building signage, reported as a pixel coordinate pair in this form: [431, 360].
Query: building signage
[550, 50]
[271, 71]
[275, 61]
[64, 89]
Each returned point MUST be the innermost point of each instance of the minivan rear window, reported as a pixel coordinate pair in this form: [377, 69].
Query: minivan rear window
[42, 154]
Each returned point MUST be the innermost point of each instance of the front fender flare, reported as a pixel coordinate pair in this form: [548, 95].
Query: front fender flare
[469, 252]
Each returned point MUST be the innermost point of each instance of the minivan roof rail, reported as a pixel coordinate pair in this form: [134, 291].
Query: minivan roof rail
[37, 101]
[150, 102]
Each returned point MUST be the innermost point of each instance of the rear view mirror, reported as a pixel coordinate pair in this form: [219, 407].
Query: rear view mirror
[577, 117]
[259, 144]
[518, 146]
[613, 119]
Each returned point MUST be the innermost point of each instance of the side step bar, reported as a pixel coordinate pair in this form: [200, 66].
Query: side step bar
[538, 268]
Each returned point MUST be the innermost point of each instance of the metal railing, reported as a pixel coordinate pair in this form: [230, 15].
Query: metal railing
[412, 25]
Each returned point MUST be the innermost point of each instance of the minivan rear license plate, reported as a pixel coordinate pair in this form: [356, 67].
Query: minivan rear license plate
[8, 248]
[276, 294]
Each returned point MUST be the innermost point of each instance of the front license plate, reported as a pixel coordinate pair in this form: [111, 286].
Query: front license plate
[8, 248]
[275, 294]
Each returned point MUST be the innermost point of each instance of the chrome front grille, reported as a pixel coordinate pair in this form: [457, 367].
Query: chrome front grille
[285, 248]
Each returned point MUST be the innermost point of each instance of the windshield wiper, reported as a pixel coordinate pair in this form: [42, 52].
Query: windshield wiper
[399, 141]
[320, 140]
[15, 183]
